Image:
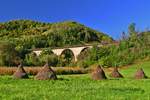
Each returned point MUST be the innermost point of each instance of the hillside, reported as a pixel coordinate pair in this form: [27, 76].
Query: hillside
[32, 34]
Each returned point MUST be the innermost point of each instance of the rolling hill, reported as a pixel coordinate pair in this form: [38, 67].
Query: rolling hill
[33, 34]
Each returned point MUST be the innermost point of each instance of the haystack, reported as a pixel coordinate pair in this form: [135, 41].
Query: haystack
[98, 74]
[46, 73]
[20, 73]
[140, 74]
[115, 73]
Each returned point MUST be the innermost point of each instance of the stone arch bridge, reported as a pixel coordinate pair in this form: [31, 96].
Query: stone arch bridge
[75, 50]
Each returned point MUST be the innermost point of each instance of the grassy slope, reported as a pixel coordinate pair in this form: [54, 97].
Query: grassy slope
[78, 87]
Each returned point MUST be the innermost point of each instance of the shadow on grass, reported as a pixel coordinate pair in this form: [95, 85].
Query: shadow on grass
[127, 90]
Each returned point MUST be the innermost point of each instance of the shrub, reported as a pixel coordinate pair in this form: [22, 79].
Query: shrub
[31, 59]
[51, 59]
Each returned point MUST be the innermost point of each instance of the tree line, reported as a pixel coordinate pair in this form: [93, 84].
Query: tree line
[18, 38]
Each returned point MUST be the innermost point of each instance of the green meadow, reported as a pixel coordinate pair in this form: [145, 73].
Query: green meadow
[78, 87]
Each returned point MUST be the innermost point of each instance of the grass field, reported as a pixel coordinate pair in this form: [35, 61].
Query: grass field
[78, 87]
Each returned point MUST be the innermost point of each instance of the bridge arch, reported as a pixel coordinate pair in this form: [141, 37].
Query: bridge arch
[68, 53]
[86, 48]
[83, 53]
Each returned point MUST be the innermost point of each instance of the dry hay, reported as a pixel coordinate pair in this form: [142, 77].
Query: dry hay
[115, 73]
[20, 73]
[98, 74]
[140, 74]
[46, 73]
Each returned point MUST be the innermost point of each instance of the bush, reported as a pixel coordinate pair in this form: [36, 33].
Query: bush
[51, 59]
[31, 59]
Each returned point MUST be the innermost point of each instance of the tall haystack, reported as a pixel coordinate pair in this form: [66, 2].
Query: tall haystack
[46, 73]
[20, 73]
[115, 73]
[98, 74]
[140, 74]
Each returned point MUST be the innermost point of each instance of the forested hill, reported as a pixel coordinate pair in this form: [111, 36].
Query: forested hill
[32, 34]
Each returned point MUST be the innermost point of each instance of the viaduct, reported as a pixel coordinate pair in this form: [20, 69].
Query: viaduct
[75, 50]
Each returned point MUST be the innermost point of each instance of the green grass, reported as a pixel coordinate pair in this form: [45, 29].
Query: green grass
[78, 87]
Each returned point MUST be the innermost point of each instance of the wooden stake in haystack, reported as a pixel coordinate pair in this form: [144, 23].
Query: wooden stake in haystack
[115, 73]
[98, 74]
[20, 73]
[46, 73]
[140, 74]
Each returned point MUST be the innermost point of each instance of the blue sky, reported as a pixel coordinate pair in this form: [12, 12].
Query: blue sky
[109, 16]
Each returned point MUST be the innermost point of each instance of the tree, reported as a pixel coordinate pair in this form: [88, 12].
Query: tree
[133, 36]
[124, 37]
[66, 58]
[8, 55]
